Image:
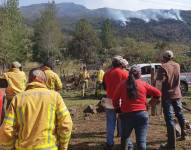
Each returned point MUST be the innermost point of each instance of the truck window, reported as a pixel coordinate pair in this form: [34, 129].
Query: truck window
[146, 70]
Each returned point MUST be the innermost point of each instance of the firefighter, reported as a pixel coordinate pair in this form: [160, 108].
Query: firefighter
[53, 80]
[99, 82]
[37, 119]
[84, 79]
[16, 81]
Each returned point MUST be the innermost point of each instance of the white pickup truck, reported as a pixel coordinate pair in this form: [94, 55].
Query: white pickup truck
[146, 75]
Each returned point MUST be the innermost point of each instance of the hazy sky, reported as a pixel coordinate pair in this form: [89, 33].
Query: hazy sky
[123, 4]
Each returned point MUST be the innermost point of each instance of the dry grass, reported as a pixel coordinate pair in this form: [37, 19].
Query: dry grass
[91, 134]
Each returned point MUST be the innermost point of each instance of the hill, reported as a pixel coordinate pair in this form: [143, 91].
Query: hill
[146, 25]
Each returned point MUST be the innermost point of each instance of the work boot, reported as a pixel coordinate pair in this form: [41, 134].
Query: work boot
[167, 147]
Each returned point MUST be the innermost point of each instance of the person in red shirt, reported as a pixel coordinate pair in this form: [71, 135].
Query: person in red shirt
[133, 94]
[2, 105]
[111, 79]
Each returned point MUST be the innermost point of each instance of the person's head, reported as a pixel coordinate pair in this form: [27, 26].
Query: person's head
[49, 63]
[167, 56]
[116, 62]
[16, 64]
[134, 74]
[37, 75]
[124, 63]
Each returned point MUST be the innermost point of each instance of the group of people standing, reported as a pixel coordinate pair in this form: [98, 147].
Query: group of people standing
[127, 98]
[36, 117]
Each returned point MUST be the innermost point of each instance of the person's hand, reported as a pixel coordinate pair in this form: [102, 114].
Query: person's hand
[154, 101]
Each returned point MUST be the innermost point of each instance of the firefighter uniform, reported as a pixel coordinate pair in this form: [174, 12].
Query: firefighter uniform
[99, 83]
[16, 83]
[53, 80]
[37, 119]
[84, 77]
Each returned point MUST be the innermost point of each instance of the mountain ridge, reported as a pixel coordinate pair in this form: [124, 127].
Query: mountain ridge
[147, 24]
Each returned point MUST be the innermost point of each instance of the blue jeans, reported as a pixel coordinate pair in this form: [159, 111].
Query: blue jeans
[137, 121]
[111, 125]
[168, 107]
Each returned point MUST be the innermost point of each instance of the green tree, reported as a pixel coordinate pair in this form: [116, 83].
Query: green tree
[48, 36]
[85, 43]
[14, 36]
[107, 35]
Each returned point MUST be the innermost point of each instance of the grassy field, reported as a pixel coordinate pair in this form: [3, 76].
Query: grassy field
[90, 134]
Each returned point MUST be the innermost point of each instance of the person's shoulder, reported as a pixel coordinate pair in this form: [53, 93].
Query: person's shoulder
[169, 64]
[51, 72]
[177, 64]
[139, 81]
[142, 83]
[102, 71]
[109, 71]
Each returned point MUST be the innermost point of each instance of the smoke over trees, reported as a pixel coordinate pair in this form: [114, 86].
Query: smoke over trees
[88, 42]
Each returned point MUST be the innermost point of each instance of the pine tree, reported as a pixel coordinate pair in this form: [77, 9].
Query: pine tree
[14, 37]
[85, 43]
[107, 35]
[48, 35]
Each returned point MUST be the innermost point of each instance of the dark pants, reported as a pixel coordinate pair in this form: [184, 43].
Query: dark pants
[169, 108]
[99, 86]
[137, 121]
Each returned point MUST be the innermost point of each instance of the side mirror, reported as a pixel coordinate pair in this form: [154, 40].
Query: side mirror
[3, 83]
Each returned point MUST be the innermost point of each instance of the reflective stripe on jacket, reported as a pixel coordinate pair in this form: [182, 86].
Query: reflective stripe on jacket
[37, 119]
[16, 81]
[53, 80]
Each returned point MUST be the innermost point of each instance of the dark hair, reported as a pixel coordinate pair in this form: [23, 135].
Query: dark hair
[166, 59]
[116, 64]
[49, 63]
[134, 74]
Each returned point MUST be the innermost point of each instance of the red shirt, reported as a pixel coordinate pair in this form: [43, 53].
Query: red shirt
[1, 105]
[112, 78]
[139, 104]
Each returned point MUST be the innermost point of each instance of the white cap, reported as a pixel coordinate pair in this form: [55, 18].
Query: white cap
[168, 54]
[124, 63]
[117, 58]
[16, 64]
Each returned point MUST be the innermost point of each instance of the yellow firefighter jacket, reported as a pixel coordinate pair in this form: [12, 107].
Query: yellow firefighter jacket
[84, 75]
[100, 75]
[53, 80]
[16, 82]
[37, 119]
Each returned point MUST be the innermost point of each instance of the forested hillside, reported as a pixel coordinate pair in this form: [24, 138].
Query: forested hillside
[68, 31]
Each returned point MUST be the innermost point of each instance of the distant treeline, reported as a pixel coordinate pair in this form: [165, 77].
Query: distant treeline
[45, 39]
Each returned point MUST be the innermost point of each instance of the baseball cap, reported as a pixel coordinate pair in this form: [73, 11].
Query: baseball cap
[124, 62]
[168, 54]
[16, 64]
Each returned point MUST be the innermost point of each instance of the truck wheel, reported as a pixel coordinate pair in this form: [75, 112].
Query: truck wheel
[184, 88]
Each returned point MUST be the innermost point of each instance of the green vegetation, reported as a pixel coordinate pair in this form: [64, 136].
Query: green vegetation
[48, 36]
[107, 35]
[87, 43]
[15, 42]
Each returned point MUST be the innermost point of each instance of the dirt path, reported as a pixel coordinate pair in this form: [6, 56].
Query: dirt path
[90, 134]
